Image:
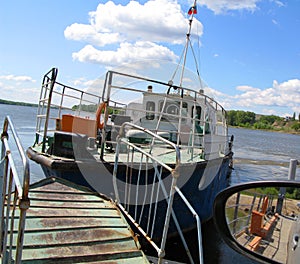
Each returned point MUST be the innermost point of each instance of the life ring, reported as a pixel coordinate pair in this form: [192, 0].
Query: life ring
[102, 107]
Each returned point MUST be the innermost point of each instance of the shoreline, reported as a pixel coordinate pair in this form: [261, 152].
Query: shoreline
[269, 130]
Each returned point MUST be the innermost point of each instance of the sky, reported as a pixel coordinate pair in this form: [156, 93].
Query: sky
[248, 51]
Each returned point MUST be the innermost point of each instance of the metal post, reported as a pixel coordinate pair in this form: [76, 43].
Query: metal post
[280, 199]
[236, 209]
[292, 169]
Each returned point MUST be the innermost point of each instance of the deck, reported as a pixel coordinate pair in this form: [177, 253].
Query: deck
[67, 223]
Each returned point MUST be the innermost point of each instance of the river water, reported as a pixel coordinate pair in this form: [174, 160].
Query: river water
[258, 155]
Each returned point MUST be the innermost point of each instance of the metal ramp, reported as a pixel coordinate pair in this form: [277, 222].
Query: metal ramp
[56, 221]
[69, 224]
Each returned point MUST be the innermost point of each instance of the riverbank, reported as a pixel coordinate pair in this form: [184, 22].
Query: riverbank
[282, 130]
[251, 120]
[7, 102]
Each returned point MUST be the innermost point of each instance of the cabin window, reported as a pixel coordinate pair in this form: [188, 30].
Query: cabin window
[173, 110]
[198, 114]
[184, 109]
[150, 108]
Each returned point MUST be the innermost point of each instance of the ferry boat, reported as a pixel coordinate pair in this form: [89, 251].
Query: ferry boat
[144, 142]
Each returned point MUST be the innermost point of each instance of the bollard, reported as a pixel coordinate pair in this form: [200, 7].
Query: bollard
[292, 169]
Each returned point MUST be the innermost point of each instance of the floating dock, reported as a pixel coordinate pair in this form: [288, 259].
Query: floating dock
[67, 223]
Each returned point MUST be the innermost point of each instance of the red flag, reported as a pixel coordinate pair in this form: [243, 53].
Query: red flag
[192, 10]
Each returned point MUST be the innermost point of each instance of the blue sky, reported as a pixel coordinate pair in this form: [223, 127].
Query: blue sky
[249, 50]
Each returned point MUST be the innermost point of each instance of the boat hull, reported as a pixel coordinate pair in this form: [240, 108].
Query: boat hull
[199, 182]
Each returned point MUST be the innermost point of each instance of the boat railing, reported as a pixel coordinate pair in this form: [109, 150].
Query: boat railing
[198, 139]
[145, 187]
[14, 190]
[198, 125]
[57, 99]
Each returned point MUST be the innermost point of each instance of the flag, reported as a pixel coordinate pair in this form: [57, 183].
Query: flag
[192, 10]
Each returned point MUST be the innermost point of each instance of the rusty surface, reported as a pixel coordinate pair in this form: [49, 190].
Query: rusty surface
[69, 224]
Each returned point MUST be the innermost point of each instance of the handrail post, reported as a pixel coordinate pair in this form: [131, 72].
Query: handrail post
[292, 169]
[10, 184]
[52, 82]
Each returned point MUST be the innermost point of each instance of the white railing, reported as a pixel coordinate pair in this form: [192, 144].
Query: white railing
[145, 187]
[14, 195]
[201, 134]
[57, 99]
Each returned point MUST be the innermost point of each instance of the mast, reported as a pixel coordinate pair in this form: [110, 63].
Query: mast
[193, 11]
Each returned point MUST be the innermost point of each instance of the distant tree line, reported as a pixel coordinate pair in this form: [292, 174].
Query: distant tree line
[290, 192]
[240, 118]
[86, 108]
[16, 103]
[249, 119]
[91, 108]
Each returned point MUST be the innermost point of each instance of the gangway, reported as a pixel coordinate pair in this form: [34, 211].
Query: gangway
[56, 221]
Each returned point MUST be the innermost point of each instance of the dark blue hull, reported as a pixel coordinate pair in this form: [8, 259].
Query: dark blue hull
[199, 182]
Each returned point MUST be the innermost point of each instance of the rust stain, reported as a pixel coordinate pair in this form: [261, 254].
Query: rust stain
[77, 229]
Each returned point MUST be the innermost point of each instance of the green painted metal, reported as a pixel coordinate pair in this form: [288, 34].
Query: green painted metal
[67, 223]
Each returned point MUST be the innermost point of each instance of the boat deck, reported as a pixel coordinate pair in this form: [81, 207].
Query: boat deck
[67, 223]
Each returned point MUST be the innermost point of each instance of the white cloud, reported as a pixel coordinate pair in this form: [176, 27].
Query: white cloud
[156, 20]
[280, 95]
[88, 33]
[278, 99]
[15, 92]
[127, 52]
[279, 3]
[122, 31]
[221, 6]
[18, 88]
[21, 78]
[246, 88]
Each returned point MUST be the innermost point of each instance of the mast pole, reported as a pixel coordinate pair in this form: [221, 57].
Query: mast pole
[187, 41]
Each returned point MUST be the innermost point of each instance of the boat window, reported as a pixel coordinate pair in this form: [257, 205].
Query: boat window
[198, 114]
[172, 109]
[150, 107]
[184, 109]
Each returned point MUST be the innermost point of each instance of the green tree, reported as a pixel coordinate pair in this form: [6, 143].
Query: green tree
[269, 119]
[231, 117]
[245, 118]
[296, 126]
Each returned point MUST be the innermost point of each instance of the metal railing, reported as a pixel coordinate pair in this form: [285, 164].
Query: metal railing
[14, 195]
[202, 133]
[145, 192]
[241, 223]
[57, 99]
[189, 129]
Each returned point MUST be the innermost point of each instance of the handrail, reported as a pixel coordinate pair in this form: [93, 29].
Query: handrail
[241, 223]
[55, 98]
[12, 193]
[198, 125]
[136, 190]
[46, 82]
[197, 93]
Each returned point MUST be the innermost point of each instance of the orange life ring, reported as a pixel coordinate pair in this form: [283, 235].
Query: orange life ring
[102, 107]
